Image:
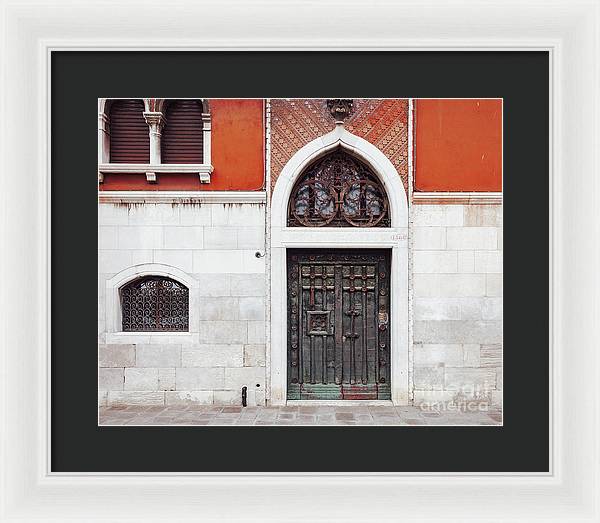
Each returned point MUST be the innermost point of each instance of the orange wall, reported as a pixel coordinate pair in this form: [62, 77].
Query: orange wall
[238, 149]
[458, 145]
[237, 154]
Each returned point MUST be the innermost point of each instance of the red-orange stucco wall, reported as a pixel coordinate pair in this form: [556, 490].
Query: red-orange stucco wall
[458, 145]
[237, 154]
[238, 148]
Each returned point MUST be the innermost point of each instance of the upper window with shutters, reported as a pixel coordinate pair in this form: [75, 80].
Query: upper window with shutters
[152, 136]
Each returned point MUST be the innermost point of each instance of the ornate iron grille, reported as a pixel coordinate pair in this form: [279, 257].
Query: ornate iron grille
[338, 191]
[155, 304]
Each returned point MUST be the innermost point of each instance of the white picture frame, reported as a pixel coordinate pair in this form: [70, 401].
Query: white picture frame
[567, 29]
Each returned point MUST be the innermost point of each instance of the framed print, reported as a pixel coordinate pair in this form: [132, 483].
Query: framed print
[193, 317]
[333, 271]
[303, 281]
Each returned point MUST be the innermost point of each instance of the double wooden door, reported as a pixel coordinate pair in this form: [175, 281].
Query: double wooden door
[338, 324]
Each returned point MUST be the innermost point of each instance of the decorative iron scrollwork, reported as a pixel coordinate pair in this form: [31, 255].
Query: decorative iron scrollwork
[338, 191]
[155, 304]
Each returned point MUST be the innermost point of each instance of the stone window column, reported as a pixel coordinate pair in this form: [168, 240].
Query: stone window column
[206, 131]
[103, 138]
[155, 121]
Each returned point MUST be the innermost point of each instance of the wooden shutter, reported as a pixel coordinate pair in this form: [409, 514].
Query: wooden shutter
[129, 135]
[182, 135]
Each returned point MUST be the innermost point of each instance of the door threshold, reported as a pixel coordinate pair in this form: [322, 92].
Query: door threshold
[340, 403]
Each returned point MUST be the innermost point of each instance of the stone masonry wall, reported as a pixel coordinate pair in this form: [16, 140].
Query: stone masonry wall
[457, 302]
[215, 245]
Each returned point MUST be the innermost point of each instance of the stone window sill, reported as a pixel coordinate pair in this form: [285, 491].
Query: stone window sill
[150, 337]
[152, 170]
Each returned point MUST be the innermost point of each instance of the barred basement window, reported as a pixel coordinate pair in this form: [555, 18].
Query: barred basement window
[155, 303]
[338, 190]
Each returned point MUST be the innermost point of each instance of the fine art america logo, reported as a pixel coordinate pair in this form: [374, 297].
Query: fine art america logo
[467, 399]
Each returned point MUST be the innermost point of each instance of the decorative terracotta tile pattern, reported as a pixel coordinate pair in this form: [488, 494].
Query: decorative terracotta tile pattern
[382, 122]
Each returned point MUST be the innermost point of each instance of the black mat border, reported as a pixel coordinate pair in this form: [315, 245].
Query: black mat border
[79, 78]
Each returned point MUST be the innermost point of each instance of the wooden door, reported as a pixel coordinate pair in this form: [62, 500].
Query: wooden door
[338, 324]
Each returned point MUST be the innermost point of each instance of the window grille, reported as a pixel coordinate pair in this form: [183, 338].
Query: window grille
[155, 304]
[338, 191]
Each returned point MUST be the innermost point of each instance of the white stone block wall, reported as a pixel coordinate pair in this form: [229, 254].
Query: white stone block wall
[456, 291]
[457, 302]
[214, 244]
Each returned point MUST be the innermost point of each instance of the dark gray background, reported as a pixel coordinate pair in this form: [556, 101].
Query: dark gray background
[79, 78]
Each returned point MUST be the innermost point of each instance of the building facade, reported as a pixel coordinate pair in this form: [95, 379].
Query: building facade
[299, 249]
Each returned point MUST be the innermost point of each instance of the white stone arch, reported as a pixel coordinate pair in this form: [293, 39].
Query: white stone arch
[354, 145]
[114, 284]
[394, 238]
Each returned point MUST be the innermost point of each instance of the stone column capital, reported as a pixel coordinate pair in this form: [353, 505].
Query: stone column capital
[155, 120]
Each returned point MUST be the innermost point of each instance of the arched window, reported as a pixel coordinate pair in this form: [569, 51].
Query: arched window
[182, 134]
[338, 190]
[155, 303]
[129, 137]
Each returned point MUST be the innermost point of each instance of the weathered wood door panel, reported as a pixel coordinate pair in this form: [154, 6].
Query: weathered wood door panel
[338, 324]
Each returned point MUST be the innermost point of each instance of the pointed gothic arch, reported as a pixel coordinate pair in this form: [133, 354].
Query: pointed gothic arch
[338, 190]
[394, 237]
[354, 145]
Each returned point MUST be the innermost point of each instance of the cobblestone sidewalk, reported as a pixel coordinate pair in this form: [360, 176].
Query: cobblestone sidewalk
[293, 415]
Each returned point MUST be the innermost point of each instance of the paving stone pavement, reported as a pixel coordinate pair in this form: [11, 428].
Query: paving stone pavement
[301, 415]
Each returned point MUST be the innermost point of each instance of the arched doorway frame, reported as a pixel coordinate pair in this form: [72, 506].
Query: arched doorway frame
[284, 237]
